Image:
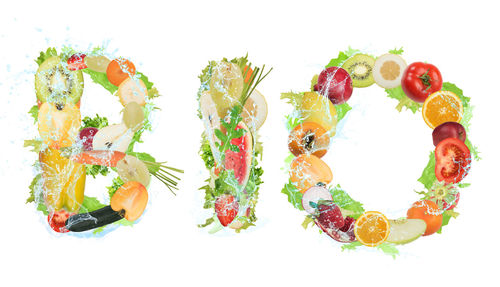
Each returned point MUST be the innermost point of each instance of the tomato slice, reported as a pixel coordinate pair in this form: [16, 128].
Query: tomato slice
[453, 160]
[57, 220]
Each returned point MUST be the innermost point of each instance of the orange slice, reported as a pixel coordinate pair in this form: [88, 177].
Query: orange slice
[372, 228]
[441, 107]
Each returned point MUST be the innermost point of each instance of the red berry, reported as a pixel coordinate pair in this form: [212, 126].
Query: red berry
[226, 208]
[77, 62]
[330, 215]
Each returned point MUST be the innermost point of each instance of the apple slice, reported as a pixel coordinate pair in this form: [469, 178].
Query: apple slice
[115, 137]
[406, 230]
[314, 194]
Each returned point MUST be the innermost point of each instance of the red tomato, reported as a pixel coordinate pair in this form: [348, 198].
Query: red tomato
[419, 80]
[453, 160]
[429, 212]
[57, 220]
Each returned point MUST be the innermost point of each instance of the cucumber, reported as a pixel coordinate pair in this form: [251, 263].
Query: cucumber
[97, 218]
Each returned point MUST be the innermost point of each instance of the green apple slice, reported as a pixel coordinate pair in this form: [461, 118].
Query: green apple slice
[406, 230]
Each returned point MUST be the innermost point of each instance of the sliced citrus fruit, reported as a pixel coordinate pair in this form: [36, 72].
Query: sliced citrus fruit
[441, 107]
[372, 228]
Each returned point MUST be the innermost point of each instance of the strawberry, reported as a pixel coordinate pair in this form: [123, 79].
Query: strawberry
[329, 214]
[77, 62]
[226, 208]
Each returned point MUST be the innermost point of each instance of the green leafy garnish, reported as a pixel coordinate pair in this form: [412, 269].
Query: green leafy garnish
[34, 113]
[344, 201]
[389, 249]
[206, 153]
[115, 185]
[36, 145]
[95, 170]
[231, 132]
[351, 246]
[293, 98]
[33, 186]
[342, 57]
[307, 221]
[447, 215]
[342, 110]
[398, 94]
[90, 204]
[428, 176]
[159, 170]
[45, 55]
[95, 122]
[293, 194]
[101, 79]
[396, 51]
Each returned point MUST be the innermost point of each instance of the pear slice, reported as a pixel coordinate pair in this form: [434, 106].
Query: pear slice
[114, 137]
[211, 120]
[406, 230]
[255, 111]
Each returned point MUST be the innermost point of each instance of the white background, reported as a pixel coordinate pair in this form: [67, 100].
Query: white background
[377, 156]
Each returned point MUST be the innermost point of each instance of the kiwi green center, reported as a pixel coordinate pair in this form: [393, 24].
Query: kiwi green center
[360, 71]
[59, 81]
[390, 70]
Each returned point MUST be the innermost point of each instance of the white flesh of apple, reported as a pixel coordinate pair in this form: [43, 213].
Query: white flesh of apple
[406, 230]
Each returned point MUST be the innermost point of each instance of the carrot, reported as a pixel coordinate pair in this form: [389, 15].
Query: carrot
[99, 157]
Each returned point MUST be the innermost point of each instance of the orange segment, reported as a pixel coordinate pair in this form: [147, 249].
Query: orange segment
[441, 107]
[372, 228]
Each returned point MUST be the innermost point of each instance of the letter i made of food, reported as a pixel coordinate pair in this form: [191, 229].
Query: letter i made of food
[232, 111]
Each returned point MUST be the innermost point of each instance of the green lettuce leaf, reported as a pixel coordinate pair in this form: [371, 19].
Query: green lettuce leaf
[95, 122]
[293, 194]
[428, 176]
[115, 185]
[398, 94]
[396, 51]
[36, 145]
[90, 204]
[341, 58]
[101, 79]
[95, 170]
[342, 110]
[45, 55]
[34, 113]
[295, 99]
[344, 201]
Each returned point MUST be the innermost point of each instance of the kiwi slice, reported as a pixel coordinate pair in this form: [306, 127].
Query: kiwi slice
[55, 83]
[360, 67]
